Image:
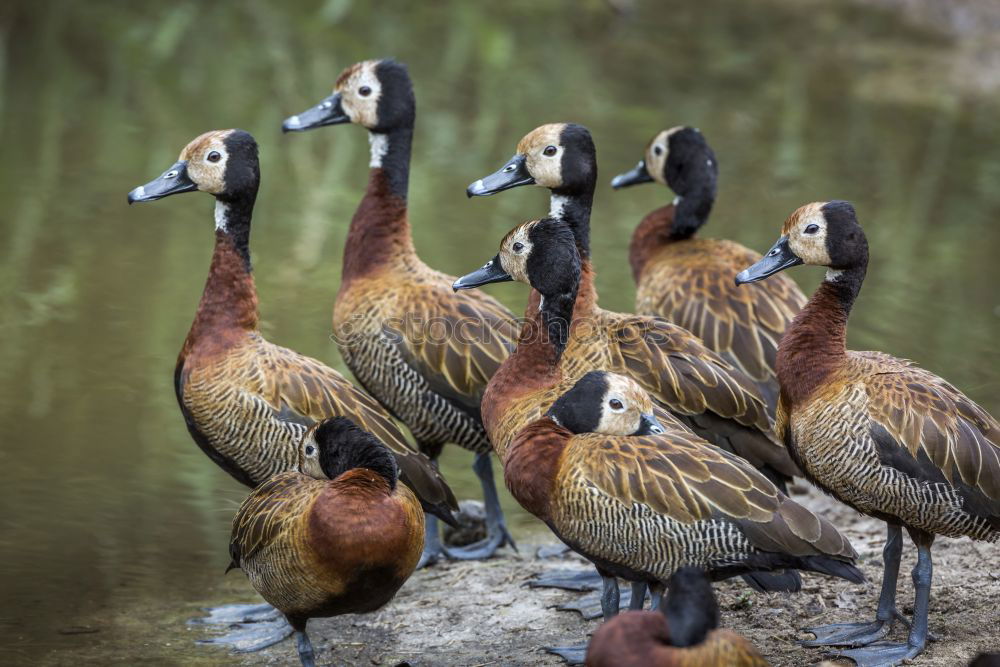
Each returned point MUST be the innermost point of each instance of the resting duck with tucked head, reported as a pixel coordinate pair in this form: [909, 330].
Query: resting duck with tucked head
[683, 633]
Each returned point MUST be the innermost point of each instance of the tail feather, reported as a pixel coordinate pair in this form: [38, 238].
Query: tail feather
[778, 581]
[441, 511]
[833, 567]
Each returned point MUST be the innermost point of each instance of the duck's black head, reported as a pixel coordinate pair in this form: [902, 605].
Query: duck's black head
[543, 254]
[819, 234]
[558, 156]
[607, 403]
[337, 445]
[223, 163]
[540, 253]
[681, 159]
[376, 94]
[690, 607]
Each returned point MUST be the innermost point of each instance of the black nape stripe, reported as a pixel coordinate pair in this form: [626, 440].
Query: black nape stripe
[692, 172]
[397, 109]
[241, 183]
[579, 409]
[344, 446]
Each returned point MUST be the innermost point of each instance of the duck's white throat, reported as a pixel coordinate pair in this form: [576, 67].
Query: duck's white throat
[557, 206]
[221, 215]
[379, 145]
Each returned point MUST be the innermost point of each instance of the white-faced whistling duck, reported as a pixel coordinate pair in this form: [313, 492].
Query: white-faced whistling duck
[715, 399]
[339, 539]
[637, 506]
[433, 383]
[247, 402]
[882, 435]
[683, 633]
[687, 280]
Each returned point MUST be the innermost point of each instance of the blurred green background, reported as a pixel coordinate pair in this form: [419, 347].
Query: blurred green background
[109, 510]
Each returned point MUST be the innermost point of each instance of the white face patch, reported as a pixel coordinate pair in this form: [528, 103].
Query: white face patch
[221, 215]
[379, 146]
[807, 238]
[207, 166]
[622, 406]
[359, 94]
[515, 251]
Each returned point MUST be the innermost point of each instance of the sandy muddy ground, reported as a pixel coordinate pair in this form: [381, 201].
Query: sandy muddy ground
[484, 613]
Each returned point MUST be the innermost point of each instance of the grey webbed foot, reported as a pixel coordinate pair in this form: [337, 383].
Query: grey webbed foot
[881, 654]
[252, 626]
[573, 655]
[569, 579]
[847, 634]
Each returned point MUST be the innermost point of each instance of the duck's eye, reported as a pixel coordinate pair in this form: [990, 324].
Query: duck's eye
[518, 247]
[812, 229]
[616, 405]
[364, 91]
[214, 156]
[310, 450]
[657, 150]
[549, 151]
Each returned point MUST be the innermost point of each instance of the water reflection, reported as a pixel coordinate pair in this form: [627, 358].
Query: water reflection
[108, 504]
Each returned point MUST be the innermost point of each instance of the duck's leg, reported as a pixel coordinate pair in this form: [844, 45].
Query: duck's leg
[433, 549]
[610, 599]
[253, 626]
[656, 596]
[638, 595]
[305, 647]
[893, 653]
[862, 634]
[497, 534]
[610, 596]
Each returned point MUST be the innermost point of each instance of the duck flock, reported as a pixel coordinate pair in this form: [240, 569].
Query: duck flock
[656, 444]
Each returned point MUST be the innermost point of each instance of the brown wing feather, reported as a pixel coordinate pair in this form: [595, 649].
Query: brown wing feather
[683, 477]
[270, 511]
[455, 341]
[684, 375]
[676, 474]
[691, 284]
[923, 412]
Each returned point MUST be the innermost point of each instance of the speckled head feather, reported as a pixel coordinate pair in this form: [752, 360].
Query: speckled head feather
[377, 94]
[560, 156]
[826, 234]
[223, 163]
[657, 152]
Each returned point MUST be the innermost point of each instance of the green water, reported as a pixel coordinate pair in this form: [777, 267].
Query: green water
[106, 502]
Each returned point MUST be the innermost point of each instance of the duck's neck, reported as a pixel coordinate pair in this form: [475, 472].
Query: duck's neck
[573, 207]
[229, 301]
[650, 235]
[815, 343]
[691, 211]
[534, 364]
[380, 230]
